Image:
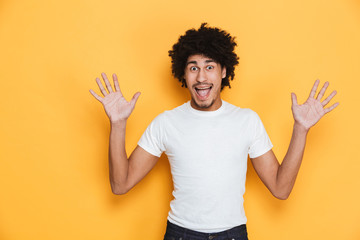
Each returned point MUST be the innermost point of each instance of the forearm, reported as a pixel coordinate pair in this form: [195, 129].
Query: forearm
[280, 179]
[290, 166]
[118, 161]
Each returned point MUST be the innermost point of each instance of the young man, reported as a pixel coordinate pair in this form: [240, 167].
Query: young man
[207, 141]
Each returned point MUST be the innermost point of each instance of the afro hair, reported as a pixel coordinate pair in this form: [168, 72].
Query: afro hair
[211, 42]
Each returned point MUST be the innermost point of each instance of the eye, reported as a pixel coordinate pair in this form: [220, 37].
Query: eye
[193, 68]
[210, 67]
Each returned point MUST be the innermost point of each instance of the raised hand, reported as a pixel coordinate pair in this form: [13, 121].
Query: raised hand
[309, 113]
[115, 105]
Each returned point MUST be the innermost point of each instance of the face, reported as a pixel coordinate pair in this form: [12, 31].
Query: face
[203, 78]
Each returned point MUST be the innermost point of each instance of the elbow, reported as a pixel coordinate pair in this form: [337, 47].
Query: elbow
[281, 195]
[118, 190]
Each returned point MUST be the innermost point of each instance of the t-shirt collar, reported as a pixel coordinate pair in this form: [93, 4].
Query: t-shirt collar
[206, 113]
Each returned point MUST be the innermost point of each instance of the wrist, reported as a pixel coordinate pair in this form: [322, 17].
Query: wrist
[300, 128]
[118, 123]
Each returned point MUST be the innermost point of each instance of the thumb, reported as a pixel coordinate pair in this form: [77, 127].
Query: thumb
[135, 98]
[294, 99]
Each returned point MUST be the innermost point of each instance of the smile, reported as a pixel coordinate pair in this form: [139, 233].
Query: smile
[203, 92]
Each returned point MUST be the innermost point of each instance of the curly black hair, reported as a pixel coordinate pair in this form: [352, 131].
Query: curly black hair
[211, 42]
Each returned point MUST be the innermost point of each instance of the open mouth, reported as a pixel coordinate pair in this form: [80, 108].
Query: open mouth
[203, 92]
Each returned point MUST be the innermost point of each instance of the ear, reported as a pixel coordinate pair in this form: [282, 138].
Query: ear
[223, 72]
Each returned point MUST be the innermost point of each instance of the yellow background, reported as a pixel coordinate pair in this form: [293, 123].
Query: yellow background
[54, 134]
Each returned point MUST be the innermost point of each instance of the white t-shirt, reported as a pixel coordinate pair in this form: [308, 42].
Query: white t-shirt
[208, 153]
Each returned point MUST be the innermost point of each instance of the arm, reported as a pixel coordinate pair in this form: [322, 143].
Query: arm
[280, 179]
[124, 173]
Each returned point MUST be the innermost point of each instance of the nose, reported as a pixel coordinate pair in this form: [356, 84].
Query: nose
[201, 77]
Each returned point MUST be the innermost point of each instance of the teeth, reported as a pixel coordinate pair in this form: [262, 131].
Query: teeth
[203, 88]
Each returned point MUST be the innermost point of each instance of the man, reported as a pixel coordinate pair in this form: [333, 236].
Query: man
[207, 141]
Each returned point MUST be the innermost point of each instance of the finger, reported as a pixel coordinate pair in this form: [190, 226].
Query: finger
[314, 88]
[102, 89]
[294, 99]
[326, 110]
[322, 91]
[107, 83]
[116, 84]
[135, 98]
[327, 100]
[96, 96]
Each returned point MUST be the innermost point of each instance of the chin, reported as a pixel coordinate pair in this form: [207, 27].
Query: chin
[204, 105]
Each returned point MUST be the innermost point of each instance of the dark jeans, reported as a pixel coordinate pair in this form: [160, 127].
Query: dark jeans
[175, 232]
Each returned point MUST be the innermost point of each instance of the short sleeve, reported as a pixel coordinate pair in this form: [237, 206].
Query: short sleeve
[260, 143]
[152, 139]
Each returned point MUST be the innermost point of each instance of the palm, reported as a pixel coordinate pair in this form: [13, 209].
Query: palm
[309, 113]
[115, 105]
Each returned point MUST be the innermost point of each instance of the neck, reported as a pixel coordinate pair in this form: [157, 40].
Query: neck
[213, 106]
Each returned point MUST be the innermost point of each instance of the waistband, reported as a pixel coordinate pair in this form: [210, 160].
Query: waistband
[183, 232]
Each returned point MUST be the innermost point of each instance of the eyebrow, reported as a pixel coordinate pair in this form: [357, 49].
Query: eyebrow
[195, 62]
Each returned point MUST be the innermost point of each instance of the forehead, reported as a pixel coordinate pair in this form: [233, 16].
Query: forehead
[198, 59]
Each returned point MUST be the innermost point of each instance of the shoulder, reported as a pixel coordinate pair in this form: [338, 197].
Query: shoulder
[175, 112]
[168, 114]
[241, 112]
